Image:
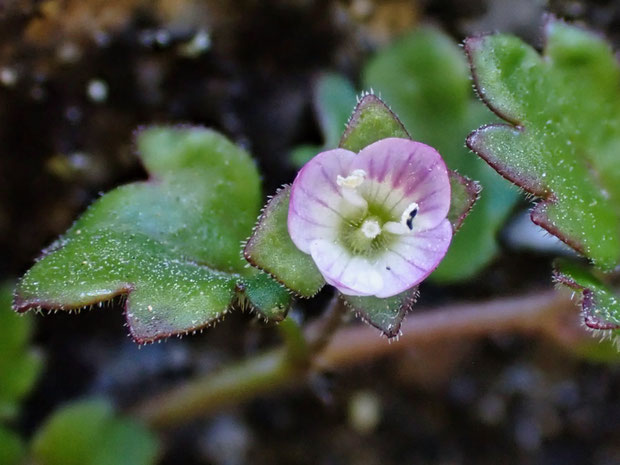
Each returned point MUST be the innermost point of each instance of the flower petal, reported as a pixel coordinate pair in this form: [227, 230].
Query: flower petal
[412, 258]
[314, 208]
[401, 171]
[407, 179]
[350, 274]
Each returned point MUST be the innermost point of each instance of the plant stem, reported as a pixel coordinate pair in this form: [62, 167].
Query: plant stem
[229, 386]
[295, 344]
[320, 333]
[535, 313]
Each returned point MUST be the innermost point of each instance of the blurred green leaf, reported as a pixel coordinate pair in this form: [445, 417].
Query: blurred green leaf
[601, 307]
[19, 364]
[599, 351]
[302, 154]
[563, 139]
[425, 79]
[333, 98]
[89, 433]
[12, 450]
[271, 249]
[170, 244]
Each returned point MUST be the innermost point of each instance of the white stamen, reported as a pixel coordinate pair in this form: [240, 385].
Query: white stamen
[352, 181]
[349, 187]
[408, 215]
[371, 229]
[406, 221]
[395, 228]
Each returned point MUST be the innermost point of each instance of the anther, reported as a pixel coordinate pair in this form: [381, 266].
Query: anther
[349, 187]
[408, 215]
[352, 181]
[405, 225]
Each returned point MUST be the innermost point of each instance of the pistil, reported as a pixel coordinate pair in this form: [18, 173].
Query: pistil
[371, 228]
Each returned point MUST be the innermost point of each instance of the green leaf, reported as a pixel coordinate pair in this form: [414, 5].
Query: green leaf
[563, 139]
[267, 296]
[302, 154]
[465, 193]
[334, 98]
[601, 307]
[384, 314]
[271, 249]
[170, 244]
[89, 433]
[20, 366]
[425, 79]
[12, 450]
[371, 121]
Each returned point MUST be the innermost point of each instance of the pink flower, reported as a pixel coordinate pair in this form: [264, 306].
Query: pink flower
[374, 222]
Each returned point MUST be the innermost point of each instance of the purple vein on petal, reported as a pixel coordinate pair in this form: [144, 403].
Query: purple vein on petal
[343, 169]
[319, 201]
[383, 169]
[403, 171]
[415, 185]
[330, 181]
[397, 203]
[371, 167]
[390, 192]
[346, 267]
[429, 234]
[375, 194]
[428, 197]
[424, 249]
[308, 220]
[424, 270]
[331, 265]
[398, 276]
[376, 185]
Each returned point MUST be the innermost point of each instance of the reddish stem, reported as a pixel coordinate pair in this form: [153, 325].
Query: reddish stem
[530, 314]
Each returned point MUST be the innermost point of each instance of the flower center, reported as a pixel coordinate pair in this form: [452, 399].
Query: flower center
[366, 221]
[371, 228]
[364, 236]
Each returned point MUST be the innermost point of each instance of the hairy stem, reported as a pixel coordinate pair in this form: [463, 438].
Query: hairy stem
[535, 313]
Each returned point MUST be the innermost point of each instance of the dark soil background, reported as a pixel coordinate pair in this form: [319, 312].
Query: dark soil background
[78, 76]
